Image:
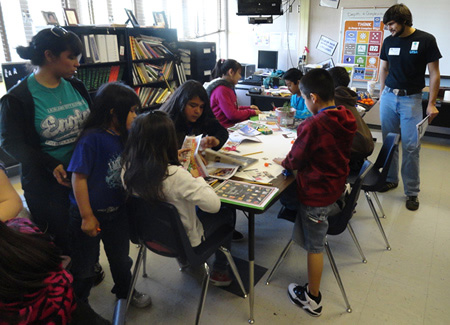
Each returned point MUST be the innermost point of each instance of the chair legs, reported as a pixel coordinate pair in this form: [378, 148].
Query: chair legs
[355, 240]
[337, 276]
[377, 219]
[205, 284]
[144, 268]
[234, 269]
[280, 259]
[383, 215]
[137, 265]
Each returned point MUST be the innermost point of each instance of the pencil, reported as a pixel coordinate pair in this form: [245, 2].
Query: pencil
[252, 153]
[259, 183]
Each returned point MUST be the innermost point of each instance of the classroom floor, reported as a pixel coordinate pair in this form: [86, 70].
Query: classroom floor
[407, 285]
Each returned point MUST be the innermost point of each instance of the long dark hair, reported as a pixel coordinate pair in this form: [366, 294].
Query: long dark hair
[150, 149]
[114, 96]
[25, 262]
[222, 67]
[55, 39]
[176, 104]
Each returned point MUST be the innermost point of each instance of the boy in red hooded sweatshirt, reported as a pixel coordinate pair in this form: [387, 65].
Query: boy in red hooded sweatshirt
[320, 154]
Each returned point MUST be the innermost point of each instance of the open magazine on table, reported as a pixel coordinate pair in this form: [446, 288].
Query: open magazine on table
[229, 158]
[198, 165]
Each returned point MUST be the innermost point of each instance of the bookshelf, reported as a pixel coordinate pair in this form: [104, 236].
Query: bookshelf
[143, 58]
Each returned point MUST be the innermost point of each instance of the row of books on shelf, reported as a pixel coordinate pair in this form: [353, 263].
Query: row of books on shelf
[144, 72]
[151, 96]
[145, 47]
[93, 78]
[102, 48]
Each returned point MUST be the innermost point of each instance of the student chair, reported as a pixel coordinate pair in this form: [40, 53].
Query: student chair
[158, 227]
[337, 224]
[119, 312]
[376, 178]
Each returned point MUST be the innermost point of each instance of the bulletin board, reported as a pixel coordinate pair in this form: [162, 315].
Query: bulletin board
[361, 36]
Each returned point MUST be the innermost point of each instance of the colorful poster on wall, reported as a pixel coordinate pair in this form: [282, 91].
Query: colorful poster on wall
[362, 34]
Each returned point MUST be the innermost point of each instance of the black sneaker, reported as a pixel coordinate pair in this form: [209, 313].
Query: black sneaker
[237, 236]
[412, 203]
[387, 187]
[300, 297]
[99, 274]
[287, 214]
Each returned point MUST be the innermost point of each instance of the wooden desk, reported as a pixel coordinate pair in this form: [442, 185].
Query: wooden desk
[264, 102]
[272, 146]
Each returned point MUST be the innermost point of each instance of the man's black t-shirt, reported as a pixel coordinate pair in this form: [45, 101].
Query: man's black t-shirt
[408, 58]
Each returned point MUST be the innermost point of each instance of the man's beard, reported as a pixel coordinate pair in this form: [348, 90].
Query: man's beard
[398, 34]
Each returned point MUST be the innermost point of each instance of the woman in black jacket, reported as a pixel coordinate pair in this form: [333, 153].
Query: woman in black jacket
[40, 122]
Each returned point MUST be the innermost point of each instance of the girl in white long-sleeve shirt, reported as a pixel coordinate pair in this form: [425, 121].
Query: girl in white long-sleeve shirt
[153, 172]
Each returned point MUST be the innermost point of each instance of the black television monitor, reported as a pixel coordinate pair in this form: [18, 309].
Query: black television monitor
[268, 60]
[259, 7]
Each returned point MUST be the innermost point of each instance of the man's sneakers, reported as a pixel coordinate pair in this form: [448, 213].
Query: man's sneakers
[387, 187]
[412, 203]
[220, 278]
[140, 300]
[300, 296]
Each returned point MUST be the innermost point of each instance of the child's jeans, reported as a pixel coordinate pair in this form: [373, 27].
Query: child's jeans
[85, 251]
[311, 223]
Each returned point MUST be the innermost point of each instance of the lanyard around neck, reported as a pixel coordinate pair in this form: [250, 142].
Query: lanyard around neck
[325, 108]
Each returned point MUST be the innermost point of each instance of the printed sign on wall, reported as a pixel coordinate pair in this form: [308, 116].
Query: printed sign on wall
[362, 34]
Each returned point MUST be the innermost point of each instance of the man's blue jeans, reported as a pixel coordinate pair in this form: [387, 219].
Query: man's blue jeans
[400, 114]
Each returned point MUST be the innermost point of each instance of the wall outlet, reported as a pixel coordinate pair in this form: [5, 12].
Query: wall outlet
[290, 8]
[298, 8]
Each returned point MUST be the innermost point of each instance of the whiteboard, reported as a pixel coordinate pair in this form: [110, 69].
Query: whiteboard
[433, 18]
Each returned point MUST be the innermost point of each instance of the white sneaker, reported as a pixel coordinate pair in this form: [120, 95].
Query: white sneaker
[299, 296]
[140, 300]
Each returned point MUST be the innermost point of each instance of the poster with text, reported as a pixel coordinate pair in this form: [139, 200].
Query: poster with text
[362, 34]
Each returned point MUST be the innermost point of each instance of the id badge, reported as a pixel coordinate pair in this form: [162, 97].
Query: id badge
[394, 51]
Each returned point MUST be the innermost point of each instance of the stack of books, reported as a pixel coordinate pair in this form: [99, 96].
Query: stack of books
[145, 47]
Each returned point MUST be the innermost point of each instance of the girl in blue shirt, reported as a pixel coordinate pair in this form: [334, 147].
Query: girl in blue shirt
[292, 78]
[97, 202]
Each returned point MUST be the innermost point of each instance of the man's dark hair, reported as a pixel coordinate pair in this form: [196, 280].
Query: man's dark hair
[398, 13]
[340, 76]
[293, 75]
[319, 82]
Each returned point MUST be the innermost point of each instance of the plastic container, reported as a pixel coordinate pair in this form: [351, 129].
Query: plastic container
[285, 118]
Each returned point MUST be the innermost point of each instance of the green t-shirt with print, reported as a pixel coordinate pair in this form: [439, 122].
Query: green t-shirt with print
[59, 115]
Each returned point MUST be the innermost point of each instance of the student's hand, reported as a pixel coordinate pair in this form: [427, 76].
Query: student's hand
[90, 225]
[61, 176]
[278, 160]
[256, 109]
[209, 142]
[183, 155]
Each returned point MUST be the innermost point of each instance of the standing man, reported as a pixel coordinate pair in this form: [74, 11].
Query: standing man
[404, 57]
